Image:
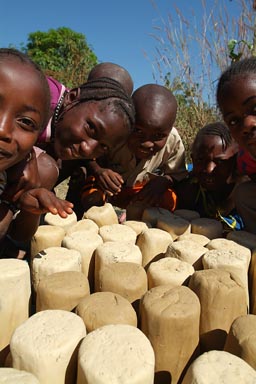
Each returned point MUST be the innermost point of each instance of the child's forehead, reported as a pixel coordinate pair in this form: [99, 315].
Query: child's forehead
[207, 141]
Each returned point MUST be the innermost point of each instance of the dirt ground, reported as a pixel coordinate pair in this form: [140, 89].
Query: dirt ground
[61, 189]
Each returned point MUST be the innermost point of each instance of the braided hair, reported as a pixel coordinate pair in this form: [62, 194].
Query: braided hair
[215, 129]
[105, 88]
[242, 67]
[12, 53]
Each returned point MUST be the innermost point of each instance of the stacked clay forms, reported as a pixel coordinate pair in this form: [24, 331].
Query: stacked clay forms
[168, 299]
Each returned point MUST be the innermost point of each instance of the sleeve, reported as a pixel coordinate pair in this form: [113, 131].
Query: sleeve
[174, 157]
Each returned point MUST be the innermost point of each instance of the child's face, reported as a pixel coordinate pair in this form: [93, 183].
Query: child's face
[148, 139]
[238, 107]
[22, 110]
[88, 130]
[211, 165]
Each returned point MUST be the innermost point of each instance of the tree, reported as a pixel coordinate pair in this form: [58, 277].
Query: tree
[62, 54]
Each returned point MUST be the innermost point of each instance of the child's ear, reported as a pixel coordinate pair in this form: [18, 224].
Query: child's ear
[71, 96]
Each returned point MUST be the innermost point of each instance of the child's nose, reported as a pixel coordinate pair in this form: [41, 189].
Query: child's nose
[89, 147]
[147, 144]
[210, 167]
[6, 128]
[249, 123]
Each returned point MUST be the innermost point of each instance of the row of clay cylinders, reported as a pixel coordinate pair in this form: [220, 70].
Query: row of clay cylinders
[53, 346]
[183, 322]
[170, 318]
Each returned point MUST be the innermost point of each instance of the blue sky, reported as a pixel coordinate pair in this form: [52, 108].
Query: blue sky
[119, 31]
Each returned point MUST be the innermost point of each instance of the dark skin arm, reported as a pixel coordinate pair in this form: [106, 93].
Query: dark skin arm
[34, 202]
[109, 181]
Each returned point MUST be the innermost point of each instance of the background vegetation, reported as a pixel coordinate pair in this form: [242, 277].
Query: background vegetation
[189, 56]
[62, 54]
[191, 53]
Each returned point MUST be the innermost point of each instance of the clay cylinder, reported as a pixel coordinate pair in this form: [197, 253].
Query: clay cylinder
[15, 292]
[15, 376]
[152, 214]
[244, 238]
[102, 308]
[252, 283]
[241, 339]
[86, 225]
[117, 232]
[85, 243]
[230, 260]
[208, 227]
[170, 319]
[169, 271]
[54, 259]
[219, 367]
[188, 251]
[61, 290]
[153, 243]
[186, 214]
[220, 244]
[117, 353]
[126, 279]
[46, 345]
[114, 252]
[104, 215]
[59, 221]
[137, 226]
[222, 299]
[46, 236]
[174, 225]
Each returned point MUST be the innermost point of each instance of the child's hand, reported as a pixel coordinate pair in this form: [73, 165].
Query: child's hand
[40, 200]
[109, 181]
[22, 177]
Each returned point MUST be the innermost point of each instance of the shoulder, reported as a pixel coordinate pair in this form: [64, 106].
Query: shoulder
[56, 89]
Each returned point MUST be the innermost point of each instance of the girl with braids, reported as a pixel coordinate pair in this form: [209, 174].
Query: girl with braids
[236, 97]
[88, 120]
[211, 184]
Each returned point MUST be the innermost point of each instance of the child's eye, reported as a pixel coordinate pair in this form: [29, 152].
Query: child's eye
[91, 126]
[158, 137]
[254, 109]
[232, 122]
[138, 131]
[28, 124]
[105, 147]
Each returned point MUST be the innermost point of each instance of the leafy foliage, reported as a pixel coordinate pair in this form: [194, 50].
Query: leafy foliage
[62, 54]
[193, 113]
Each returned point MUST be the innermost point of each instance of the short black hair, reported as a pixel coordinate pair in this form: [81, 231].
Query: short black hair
[106, 88]
[242, 67]
[217, 128]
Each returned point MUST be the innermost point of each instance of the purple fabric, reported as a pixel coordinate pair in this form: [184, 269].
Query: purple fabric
[56, 90]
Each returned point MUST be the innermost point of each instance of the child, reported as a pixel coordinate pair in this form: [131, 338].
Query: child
[143, 170]
[114, 71]
[210, 187]
[236, 97]
[88, 120]
[77, 179]
[24, 110]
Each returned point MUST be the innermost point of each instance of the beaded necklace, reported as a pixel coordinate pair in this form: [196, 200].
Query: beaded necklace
[57, 109]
